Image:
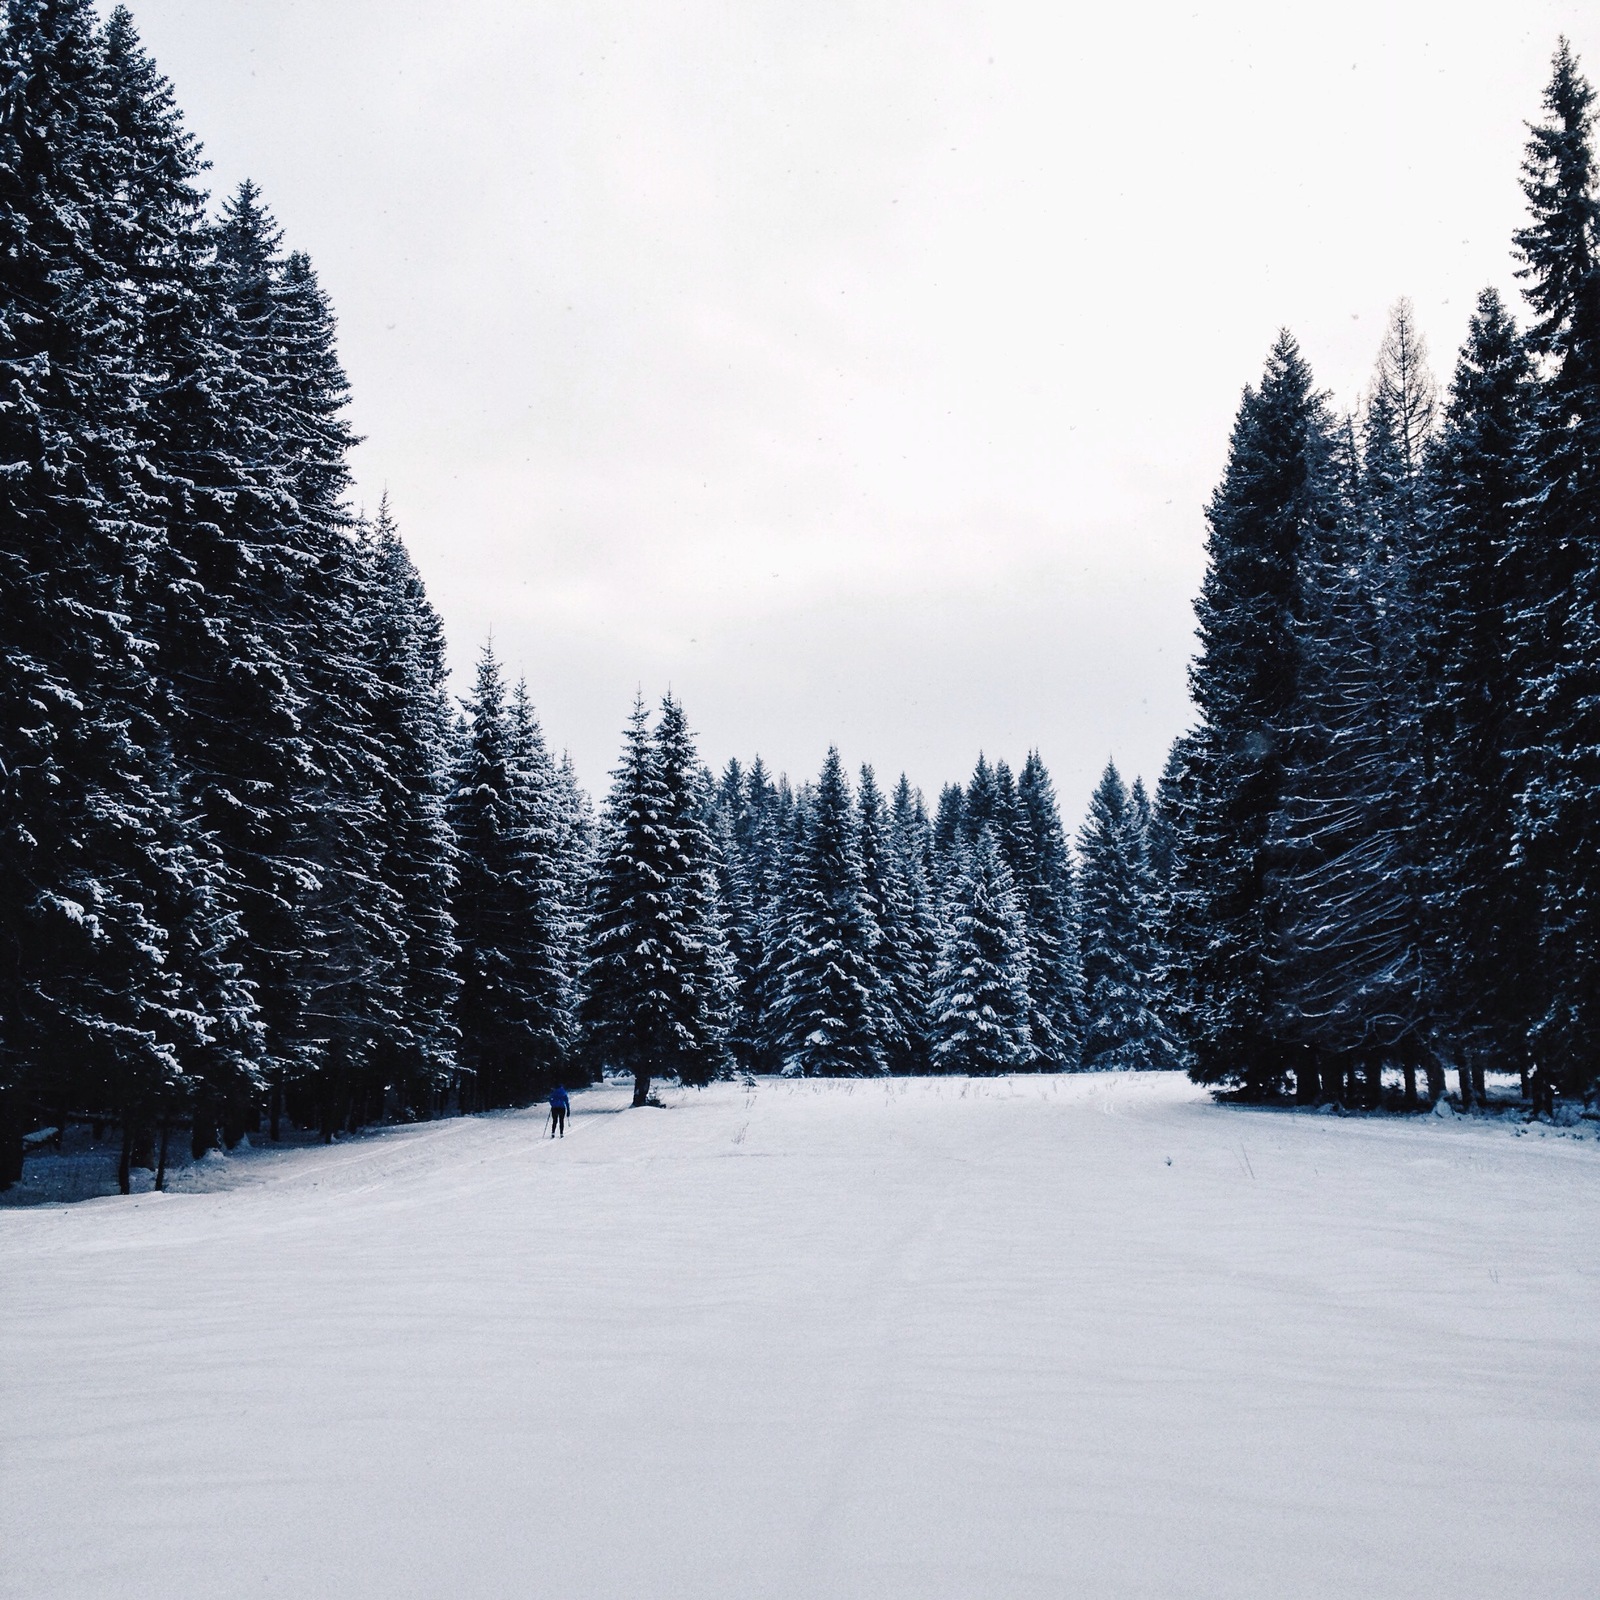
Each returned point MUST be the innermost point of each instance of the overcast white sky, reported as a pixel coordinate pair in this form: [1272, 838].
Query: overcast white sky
[859, 370]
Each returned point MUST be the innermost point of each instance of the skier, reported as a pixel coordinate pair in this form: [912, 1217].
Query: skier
[559, 1105]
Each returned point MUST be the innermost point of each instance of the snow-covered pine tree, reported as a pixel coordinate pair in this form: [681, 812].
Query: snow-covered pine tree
[900, 956]
[1358, 975]
[980, 986]
[575, 829]
[921, 925]
[1046, 889]
[1558, 631]
[982, 804]
[1169, 824]
[545, 954]
[1473, 581]
[98, 858]
[417, 1053]
[1274, 500]
[627, 979]
[768, 876]
[697, 964]
[351, 969]
[948, 832]
[504, 1030]
[828, 1008]
[1122, 1030]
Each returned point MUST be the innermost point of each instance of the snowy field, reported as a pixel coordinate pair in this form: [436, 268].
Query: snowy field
[1025, 1337]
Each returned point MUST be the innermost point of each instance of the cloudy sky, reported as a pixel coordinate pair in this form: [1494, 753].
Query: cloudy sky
[858, 370]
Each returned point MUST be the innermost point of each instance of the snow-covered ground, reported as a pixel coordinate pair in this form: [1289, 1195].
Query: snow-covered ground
[1026, 1337]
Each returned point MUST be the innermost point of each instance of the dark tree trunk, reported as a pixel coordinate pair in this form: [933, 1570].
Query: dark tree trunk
[125, 1164]
[275, 1112]
[1435, 1072]
[1464, 1082]
[203, 1134]
[1409, 1066]
[11, 1132]
[161, 1155]
[1307, 1080]
[641, 1087]
[1478, 1089]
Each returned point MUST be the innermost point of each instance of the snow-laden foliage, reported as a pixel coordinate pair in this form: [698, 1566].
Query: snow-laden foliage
[980, 986]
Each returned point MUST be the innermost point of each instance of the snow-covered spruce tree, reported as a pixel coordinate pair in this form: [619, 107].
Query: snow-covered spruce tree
[829, 1005]
[1354, 943]
[948, 833]
[980, 987]
[416, 1054]
[1473, 581]
[113, 943]
[1274, 499]
[1557, 632]
[509, 1011]
[1169, 825]
[768, 877]
[350, 970]
[921, 928]
[738, 914]
[1046, 888]
[697, 966]
[901, 956]
[627, 980]
[547, 960]
[1122, 1030]
[575, 848]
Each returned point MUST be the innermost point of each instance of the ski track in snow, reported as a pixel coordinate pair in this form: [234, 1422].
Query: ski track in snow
[924, 1338]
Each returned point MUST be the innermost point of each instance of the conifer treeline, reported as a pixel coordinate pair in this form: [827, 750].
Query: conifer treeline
[1387, 823]
[739, 924]
[255, 866]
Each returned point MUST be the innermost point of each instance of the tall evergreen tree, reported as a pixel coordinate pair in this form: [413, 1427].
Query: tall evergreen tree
[900, 956]
[628, 982]
[1122, 1030]
[510, 1011]
[1358, 973]
[1473, 583]
[697, 961]
[1275, 500]
[1558, 632]
[980, 987]
[412, 718]
[106, 894]
[829, 1006]
[547, 959]
[1046, 889]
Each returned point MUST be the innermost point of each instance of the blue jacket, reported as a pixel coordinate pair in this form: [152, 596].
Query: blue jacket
[558, 1100]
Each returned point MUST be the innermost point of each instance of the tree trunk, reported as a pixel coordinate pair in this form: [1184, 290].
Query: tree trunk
[1408, 1064]
[11, 1131]
[641, 1087]
[1477, 1079]
[1435, 1073]
[1464, 1082]
[275, 1112]
[203, 1137]
[161, 1155]
[1307, 1080]
[125, 1165]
